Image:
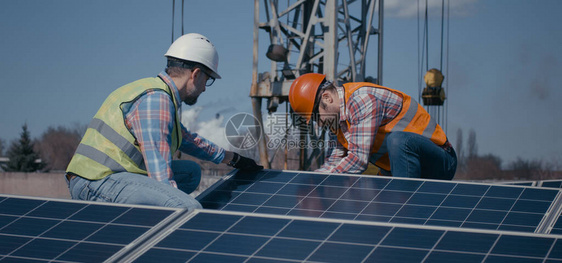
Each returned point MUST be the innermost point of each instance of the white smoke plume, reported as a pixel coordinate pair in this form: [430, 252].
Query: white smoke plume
[212, 130]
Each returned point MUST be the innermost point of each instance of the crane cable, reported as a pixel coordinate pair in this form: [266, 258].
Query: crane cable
[174, 17]
[447, 69]
[424, 50]
[180, 110]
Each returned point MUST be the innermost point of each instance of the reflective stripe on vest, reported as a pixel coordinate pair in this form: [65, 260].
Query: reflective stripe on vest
[109, 133]
[99, 157]
[406, 120]
[411, 118]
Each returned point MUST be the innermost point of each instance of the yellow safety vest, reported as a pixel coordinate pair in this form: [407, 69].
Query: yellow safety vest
[411, 118]
[108, 146]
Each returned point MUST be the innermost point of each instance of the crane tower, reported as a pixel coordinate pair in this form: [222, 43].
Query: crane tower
[330, 37]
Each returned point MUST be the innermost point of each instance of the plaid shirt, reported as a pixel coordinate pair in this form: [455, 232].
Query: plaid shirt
[366, 110]
[151, 119]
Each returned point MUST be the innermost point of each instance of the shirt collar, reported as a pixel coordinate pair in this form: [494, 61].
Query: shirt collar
[342, 103]
[168, 80]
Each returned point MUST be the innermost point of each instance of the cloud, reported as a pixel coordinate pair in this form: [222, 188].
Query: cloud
[189, 118]
[214, 131]
[410, 9]
[211, 129]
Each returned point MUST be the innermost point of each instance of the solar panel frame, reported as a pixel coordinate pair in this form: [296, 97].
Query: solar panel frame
[56, 230]
[521, 183]
[386, 199]
[552, 183]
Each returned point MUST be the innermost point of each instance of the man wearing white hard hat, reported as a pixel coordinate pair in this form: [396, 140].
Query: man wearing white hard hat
[126, 153]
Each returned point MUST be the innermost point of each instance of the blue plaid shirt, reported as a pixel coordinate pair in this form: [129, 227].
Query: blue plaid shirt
[150, 119]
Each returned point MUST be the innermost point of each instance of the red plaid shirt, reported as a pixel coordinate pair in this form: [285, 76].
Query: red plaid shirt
[366, 110]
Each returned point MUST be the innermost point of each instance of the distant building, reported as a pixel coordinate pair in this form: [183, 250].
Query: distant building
[3, 162]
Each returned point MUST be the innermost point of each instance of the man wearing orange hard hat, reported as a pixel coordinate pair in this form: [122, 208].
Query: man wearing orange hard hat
[374, 124]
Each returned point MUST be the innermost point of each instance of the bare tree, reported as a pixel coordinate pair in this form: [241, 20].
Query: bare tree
[2, 146]
[472, 145]
[546, 171]
[525, 169]
[460, 151]
[482, 168]
[57, 146]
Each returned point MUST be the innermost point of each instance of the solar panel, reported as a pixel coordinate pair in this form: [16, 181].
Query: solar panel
[222, 236]
[386, 199]
[35, 230]
[32, 229]
[551, 183]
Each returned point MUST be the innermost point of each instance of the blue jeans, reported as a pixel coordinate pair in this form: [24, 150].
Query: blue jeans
[131, 188]
[412, 155]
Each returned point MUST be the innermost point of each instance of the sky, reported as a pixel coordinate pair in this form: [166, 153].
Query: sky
[59, 59]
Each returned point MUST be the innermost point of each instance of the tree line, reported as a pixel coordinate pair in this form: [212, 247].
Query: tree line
[53, 150]
[472, 166]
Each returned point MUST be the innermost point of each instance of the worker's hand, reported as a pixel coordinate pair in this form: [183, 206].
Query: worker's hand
[245, 164]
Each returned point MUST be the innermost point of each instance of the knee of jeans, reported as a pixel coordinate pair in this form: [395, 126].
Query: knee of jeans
[188, 203]
[186, 166]
[393, 140]
[396, 142]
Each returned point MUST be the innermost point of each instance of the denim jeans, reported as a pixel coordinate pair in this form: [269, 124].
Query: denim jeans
[412, 155]
[131, 188]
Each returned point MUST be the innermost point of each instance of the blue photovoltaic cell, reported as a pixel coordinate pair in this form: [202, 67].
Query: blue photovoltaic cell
[383, 199]
[557, 228]
[552, 183]
[33, 230]
[217, 236]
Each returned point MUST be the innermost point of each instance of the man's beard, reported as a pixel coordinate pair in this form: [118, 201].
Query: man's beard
[191, 100]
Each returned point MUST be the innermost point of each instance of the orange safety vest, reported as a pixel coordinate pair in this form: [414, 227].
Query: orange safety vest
[411, 118]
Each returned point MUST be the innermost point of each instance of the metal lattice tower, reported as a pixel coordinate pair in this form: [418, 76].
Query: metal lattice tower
[329, 37]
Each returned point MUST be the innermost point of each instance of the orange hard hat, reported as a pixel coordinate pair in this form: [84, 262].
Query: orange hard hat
[303, 93]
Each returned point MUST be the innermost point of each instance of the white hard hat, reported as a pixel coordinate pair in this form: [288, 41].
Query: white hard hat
[197, 48]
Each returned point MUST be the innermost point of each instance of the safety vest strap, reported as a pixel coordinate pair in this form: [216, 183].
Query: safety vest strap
[407, 118]
[405, 123]
[430, 128]
[121, 142]
[127, 147]
[99, 157]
